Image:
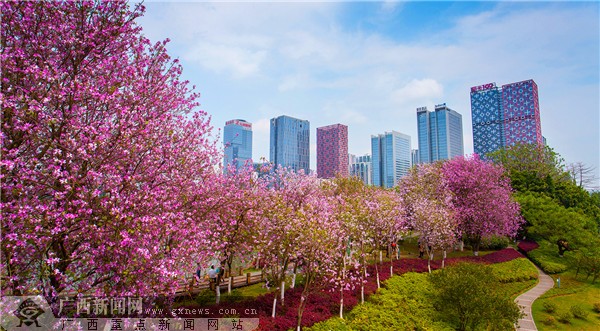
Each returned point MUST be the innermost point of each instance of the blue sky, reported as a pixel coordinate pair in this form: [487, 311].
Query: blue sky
[369, 65]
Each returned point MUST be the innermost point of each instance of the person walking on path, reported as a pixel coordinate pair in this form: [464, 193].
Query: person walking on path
[212, 277]
[526, 299]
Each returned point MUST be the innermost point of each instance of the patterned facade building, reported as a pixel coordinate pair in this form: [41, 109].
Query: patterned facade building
[440, 134]
[521, 111]
[391, 158]
[332, 151]
[360, 166]
[505, 116]
[237, 141]
[290, 143]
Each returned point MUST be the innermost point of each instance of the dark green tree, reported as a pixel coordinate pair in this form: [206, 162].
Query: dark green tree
[547, 219]
[531, 167]
[467, 297]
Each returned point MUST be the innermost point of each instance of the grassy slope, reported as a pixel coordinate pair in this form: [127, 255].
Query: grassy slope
[571, 292]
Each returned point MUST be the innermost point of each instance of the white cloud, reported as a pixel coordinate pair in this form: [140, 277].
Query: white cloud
[240, 62]
[419, 89]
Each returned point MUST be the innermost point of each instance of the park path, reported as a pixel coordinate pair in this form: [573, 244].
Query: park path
[526, 299]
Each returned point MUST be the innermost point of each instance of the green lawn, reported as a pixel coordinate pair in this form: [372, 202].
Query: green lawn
[572, 291]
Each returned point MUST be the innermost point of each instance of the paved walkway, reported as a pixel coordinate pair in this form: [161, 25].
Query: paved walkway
[526, 299]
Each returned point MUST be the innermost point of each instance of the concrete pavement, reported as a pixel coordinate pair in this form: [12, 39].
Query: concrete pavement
[526, 299]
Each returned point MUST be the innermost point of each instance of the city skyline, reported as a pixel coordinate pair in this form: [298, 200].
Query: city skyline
[369, 65]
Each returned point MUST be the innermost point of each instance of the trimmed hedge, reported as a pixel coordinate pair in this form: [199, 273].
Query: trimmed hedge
[517, 270]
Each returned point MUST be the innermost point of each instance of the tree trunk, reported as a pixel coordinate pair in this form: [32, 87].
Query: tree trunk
[283, 293]
[274, 307]
[429, 257]
[294, 275]
[377, 272]
[303, 298]
[362, 293]
[476, 244]
[443, 259]
[341, 302]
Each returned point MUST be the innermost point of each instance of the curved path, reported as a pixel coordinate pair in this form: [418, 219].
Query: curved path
[526, 299]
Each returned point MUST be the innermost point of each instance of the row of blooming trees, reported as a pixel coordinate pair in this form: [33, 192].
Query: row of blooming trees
[111, 182]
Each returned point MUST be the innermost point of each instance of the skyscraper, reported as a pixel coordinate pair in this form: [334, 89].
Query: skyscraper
[391, 158]
[290, 138]
[414, 157]
[520, 106]
[361, 167]
[505, 116]
[332, 151]
[440, 134]
[237, 139]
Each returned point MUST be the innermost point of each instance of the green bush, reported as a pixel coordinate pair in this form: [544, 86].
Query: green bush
[494, 243]
[549, 307]
[597, 307]
[565, 317]
[468, 297]
[549, 321]
[578, 312]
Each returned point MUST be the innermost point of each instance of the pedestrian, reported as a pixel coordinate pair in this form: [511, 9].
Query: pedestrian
[198, 272]
[421, 250]
[212, 277]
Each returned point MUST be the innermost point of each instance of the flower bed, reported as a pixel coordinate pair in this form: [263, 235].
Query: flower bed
[527, 246]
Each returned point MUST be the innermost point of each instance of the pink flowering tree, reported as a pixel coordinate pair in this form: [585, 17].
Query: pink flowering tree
[348, 208]
[321, 239]
[277, 238]
[232, 220]
[427, 206]
[482, 199]
[388, 224]
[105, 171]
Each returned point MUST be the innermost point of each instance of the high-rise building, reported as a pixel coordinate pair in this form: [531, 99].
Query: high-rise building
[290, 143]
[237, 140]
[505, 116]
[414, 157]
[440, 134]
[521, 109]
[391, 158]
[360, 166]
[332, 151]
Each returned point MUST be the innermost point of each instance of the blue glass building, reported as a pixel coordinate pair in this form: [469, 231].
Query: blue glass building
[237, 140]
[391, 158]
[290, 143]
[360, 166]
[440, 134]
